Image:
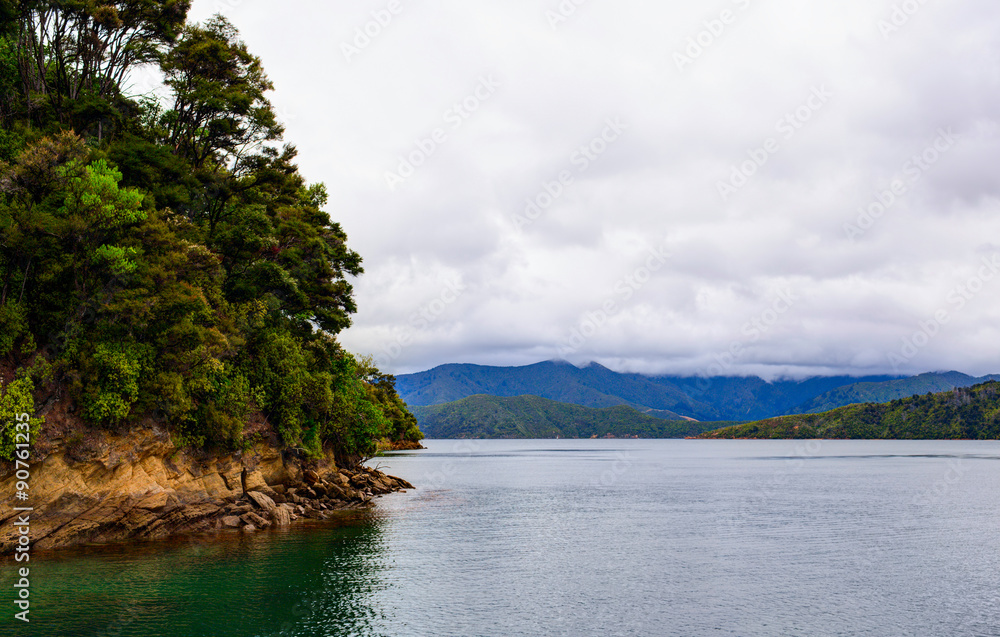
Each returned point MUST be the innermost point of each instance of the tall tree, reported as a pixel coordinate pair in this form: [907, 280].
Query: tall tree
[72, 49]
[180, 269]
[220, 112]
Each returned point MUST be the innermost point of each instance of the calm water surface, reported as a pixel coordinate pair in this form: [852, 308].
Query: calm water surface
[583, 537]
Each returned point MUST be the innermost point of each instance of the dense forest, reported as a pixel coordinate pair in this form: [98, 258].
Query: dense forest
[962, 413]
[161, 256]
[534, 417]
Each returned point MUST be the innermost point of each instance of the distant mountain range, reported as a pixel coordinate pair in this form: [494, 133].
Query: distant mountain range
[533, 417]
[739, 399]
[590, 386]
[966, 413]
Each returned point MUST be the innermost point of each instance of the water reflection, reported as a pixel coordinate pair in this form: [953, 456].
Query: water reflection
[523, 538]
[300, 583]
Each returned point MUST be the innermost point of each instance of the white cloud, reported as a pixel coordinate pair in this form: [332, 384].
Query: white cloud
[526, 288]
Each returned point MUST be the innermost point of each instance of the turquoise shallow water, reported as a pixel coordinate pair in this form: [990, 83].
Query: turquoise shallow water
[583, 537]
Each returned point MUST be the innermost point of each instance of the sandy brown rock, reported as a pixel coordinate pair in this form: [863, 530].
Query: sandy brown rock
[141, 486]
[255, 520]
[281, 516]
[261, 500]
[401, 445]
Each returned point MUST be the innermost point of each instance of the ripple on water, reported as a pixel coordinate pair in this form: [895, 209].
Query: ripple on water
[585, 538]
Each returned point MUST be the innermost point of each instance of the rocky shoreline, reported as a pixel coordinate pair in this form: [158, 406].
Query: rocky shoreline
[403, 445]
[140, 486]
[315, 498]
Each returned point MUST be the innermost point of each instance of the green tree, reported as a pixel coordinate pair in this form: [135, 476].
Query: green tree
[75, 55]
[16, 400]
[220, 112]
[172, 265]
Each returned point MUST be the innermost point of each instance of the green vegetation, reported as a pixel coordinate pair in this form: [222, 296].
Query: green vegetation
[718, 398]
[164, 256]
[885, 391]
[962, 413]
[16, 400]
[738, 399]
[591, 386]
[533, 417]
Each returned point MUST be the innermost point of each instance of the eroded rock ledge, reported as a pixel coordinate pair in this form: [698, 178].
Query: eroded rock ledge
[141, 486]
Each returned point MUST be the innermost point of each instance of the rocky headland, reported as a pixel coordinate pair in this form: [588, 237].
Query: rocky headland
[141, 486]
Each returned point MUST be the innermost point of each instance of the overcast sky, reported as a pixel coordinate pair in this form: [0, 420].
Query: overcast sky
[770, 187]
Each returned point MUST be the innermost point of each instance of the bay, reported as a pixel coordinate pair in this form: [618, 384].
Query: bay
[582, 537]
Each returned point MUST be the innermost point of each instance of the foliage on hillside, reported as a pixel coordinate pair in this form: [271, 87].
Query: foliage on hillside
[715, 398]
[883, 392]
[533, 417]
[752, 398]
[590, 386]
[962, 413]
[164, 257]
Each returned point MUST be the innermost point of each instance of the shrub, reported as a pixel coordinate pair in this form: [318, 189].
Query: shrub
[16, 399]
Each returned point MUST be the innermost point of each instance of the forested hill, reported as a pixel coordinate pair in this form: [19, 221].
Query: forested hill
[961, 413]
[881, 392]
[715, 398]
[591, 386]
[534, 417]
[161, 258]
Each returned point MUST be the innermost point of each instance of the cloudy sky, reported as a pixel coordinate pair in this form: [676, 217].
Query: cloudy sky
[742, 186]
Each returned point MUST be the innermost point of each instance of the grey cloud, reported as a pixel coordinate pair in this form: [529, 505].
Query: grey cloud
[528, 287]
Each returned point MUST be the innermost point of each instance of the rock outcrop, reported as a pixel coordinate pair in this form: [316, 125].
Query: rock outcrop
[400, 445]
[141, 486]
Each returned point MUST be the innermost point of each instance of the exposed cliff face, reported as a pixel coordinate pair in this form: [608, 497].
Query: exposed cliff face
[141, 486]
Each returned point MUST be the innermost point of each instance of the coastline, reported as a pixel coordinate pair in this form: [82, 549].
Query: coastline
[141, 486]
[400, 445]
